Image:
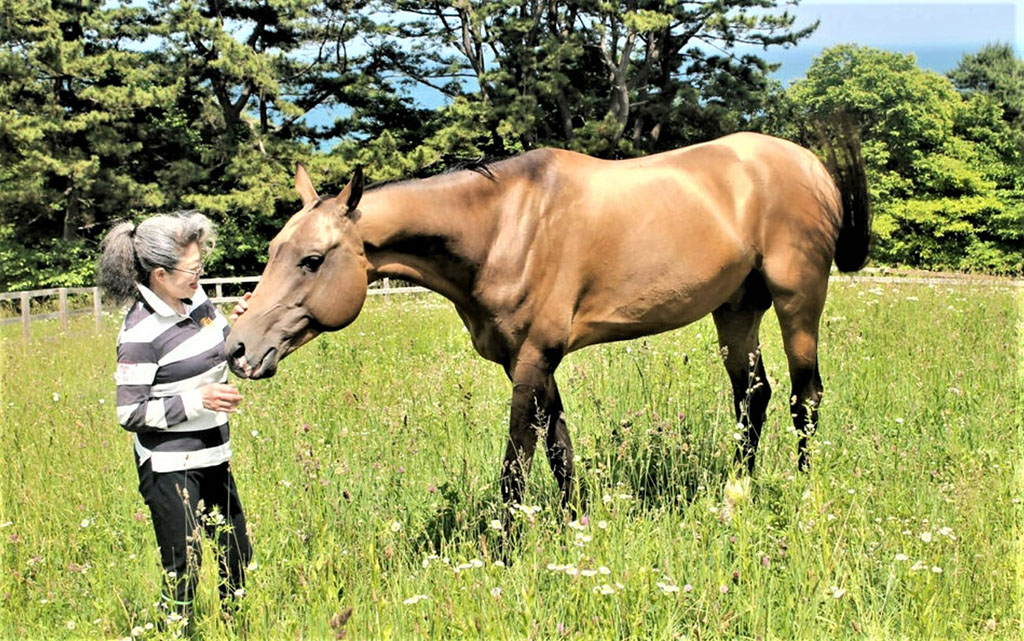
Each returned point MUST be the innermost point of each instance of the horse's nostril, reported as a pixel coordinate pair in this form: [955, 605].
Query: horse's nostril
[239, 351]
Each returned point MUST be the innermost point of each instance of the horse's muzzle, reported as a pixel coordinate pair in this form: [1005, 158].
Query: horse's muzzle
[240, 364]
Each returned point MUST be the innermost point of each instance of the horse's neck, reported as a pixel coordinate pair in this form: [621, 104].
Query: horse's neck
[434, 233]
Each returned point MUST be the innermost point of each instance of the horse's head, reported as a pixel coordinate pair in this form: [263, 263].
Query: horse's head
[315, 281]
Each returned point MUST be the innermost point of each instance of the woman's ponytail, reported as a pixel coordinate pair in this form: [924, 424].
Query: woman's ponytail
[118, 267]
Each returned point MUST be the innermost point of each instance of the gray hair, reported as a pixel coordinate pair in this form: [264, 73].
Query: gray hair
[130, 253]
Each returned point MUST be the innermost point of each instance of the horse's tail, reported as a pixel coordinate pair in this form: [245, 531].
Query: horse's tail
[846, 164]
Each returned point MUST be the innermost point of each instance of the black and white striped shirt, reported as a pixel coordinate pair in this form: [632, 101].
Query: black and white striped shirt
[163, 359]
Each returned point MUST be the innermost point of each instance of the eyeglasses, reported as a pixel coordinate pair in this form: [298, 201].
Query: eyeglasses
[194, 272]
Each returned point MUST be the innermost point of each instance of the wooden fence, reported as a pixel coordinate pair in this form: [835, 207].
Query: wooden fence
[64, 312]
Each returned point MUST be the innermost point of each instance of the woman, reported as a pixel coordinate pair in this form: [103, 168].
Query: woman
[172, 392]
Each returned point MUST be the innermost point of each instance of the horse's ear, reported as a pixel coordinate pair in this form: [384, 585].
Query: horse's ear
[353, 191]
[304, 186]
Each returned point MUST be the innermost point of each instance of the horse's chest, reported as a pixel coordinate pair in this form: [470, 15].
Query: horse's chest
[487, 339]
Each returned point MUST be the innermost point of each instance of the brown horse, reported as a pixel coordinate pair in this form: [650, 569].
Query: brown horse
[551, 251]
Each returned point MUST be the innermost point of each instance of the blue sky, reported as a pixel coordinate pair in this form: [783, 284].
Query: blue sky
[938, 32]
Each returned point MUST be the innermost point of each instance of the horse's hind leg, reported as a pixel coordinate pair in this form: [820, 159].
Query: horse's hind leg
[799, 313]
[737, 322]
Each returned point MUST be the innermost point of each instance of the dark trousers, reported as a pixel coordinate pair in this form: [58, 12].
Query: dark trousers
[184, 505]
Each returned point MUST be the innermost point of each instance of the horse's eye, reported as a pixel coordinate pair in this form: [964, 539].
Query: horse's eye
[311, 263]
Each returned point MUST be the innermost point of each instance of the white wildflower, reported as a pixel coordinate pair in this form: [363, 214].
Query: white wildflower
[737, 491]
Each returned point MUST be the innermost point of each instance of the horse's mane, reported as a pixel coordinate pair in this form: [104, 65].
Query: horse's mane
[480, 165]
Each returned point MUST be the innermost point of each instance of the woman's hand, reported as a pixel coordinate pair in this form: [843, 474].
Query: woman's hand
[220, 397]
[240, 307]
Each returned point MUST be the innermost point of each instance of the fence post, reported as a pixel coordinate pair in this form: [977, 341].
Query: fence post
[26, 330]
[62, 312]
[97, 308]
[387, 286]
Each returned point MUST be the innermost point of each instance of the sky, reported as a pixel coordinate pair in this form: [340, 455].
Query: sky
[938, 32]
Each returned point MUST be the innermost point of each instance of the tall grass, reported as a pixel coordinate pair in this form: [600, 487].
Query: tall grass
[368, 469]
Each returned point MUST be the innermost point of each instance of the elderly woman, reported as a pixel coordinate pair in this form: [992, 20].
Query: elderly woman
[172, 392]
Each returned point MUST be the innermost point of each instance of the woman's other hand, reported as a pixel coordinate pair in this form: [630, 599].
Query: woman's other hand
[220, 397]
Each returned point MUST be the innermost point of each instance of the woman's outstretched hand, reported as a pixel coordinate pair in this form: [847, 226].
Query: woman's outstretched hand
[240, 307]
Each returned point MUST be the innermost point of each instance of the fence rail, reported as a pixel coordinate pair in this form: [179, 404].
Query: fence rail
[388, 286]
[63, 312]
[217, 296]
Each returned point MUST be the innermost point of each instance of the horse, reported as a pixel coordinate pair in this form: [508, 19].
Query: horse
[550, 251]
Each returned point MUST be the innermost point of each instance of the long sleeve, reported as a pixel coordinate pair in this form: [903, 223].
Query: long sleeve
[137, 409]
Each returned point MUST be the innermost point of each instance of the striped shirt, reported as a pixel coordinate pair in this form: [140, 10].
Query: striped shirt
[163, 359]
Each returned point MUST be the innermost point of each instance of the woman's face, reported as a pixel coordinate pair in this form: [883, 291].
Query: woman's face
[182, 281]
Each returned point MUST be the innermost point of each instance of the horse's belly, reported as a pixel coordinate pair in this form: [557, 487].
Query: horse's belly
[652, 308]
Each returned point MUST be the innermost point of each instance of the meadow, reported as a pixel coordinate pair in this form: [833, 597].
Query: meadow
[368, 469]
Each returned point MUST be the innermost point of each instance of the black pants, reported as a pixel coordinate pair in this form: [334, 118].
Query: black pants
[184, 505]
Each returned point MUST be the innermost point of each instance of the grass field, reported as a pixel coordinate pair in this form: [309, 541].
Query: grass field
[368, 468]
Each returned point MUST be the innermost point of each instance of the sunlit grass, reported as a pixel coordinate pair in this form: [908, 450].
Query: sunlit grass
[368, 468]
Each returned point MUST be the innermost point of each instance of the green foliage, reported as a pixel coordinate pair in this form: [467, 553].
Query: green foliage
[112, 111]
[944, 169]
[118, 110]
[57, 263]
[606, 78]
[997, 72]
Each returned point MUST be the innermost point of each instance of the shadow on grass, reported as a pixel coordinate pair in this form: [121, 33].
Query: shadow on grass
[661, 466]
[460, 517]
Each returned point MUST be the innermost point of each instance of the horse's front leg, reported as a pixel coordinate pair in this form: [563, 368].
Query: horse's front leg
[535, 411]
[559, 449]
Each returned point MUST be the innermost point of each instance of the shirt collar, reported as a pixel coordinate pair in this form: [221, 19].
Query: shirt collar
[162, 308]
